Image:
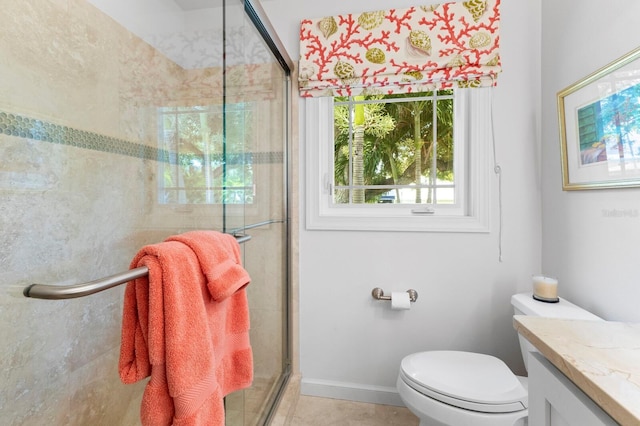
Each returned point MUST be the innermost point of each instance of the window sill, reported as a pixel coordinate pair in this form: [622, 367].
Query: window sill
[433, 223]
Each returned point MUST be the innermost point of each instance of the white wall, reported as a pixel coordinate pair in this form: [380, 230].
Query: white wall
[594, 257]
[350, 344]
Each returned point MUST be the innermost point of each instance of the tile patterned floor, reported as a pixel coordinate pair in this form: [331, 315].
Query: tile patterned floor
[300, 410]
[314, 411]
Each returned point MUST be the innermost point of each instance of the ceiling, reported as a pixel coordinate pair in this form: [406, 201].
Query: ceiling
[205, 4]
[199, 4]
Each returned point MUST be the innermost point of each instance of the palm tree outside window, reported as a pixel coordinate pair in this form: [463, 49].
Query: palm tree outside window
[394, 149]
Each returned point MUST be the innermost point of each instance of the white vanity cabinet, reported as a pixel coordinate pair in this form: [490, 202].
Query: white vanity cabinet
[587, 373]
[555, 401]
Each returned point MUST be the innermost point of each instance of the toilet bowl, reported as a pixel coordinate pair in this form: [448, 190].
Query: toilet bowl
[462, 388]
[455, 388]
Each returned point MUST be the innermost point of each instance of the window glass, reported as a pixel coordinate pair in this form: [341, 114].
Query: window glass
[394, 149]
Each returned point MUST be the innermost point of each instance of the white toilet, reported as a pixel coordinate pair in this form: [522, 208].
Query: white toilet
[454, 388]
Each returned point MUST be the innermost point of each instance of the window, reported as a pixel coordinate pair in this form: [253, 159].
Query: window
[204, 165]
[416, 162]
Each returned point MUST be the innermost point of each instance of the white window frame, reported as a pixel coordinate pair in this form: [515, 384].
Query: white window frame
[474, 130]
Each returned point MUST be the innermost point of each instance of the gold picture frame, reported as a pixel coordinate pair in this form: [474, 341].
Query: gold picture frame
[599, 120]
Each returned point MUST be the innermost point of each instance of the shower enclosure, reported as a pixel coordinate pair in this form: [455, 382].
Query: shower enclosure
[123, 122]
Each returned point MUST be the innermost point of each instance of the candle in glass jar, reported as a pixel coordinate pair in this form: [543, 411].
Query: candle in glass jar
[545, 287]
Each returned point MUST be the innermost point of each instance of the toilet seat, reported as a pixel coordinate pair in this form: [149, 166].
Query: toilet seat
[465, 380]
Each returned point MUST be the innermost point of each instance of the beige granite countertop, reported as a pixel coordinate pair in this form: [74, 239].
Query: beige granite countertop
[601, 357]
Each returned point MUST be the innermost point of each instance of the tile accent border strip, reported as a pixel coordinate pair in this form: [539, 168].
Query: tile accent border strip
[31, 128]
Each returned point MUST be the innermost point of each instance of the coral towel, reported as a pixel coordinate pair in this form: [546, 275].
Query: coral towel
[187, 326]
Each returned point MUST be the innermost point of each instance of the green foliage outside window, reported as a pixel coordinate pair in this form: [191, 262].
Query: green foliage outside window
[386, 143]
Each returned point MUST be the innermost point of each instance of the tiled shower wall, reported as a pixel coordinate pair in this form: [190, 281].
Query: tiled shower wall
[78, 164]
[77, 96]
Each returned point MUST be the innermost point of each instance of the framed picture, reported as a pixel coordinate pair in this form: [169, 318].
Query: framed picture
[600, 127]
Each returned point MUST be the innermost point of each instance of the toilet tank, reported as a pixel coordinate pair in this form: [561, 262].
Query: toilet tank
[525, 304]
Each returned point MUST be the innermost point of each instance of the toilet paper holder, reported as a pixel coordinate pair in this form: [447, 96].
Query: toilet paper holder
[378, 294]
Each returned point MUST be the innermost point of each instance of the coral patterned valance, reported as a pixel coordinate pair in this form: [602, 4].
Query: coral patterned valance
[418, 49]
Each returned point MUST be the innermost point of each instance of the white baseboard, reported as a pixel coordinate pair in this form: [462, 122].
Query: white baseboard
[350, 391]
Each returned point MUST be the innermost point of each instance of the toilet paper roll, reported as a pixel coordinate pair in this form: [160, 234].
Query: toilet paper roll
[400, 300]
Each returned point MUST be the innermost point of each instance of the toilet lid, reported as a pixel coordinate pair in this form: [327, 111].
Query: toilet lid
[464, 379]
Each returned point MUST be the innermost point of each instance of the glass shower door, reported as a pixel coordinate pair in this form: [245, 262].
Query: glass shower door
[256, 120]
[123, 122]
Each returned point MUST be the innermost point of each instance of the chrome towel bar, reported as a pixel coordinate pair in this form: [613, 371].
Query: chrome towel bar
[57, 292]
